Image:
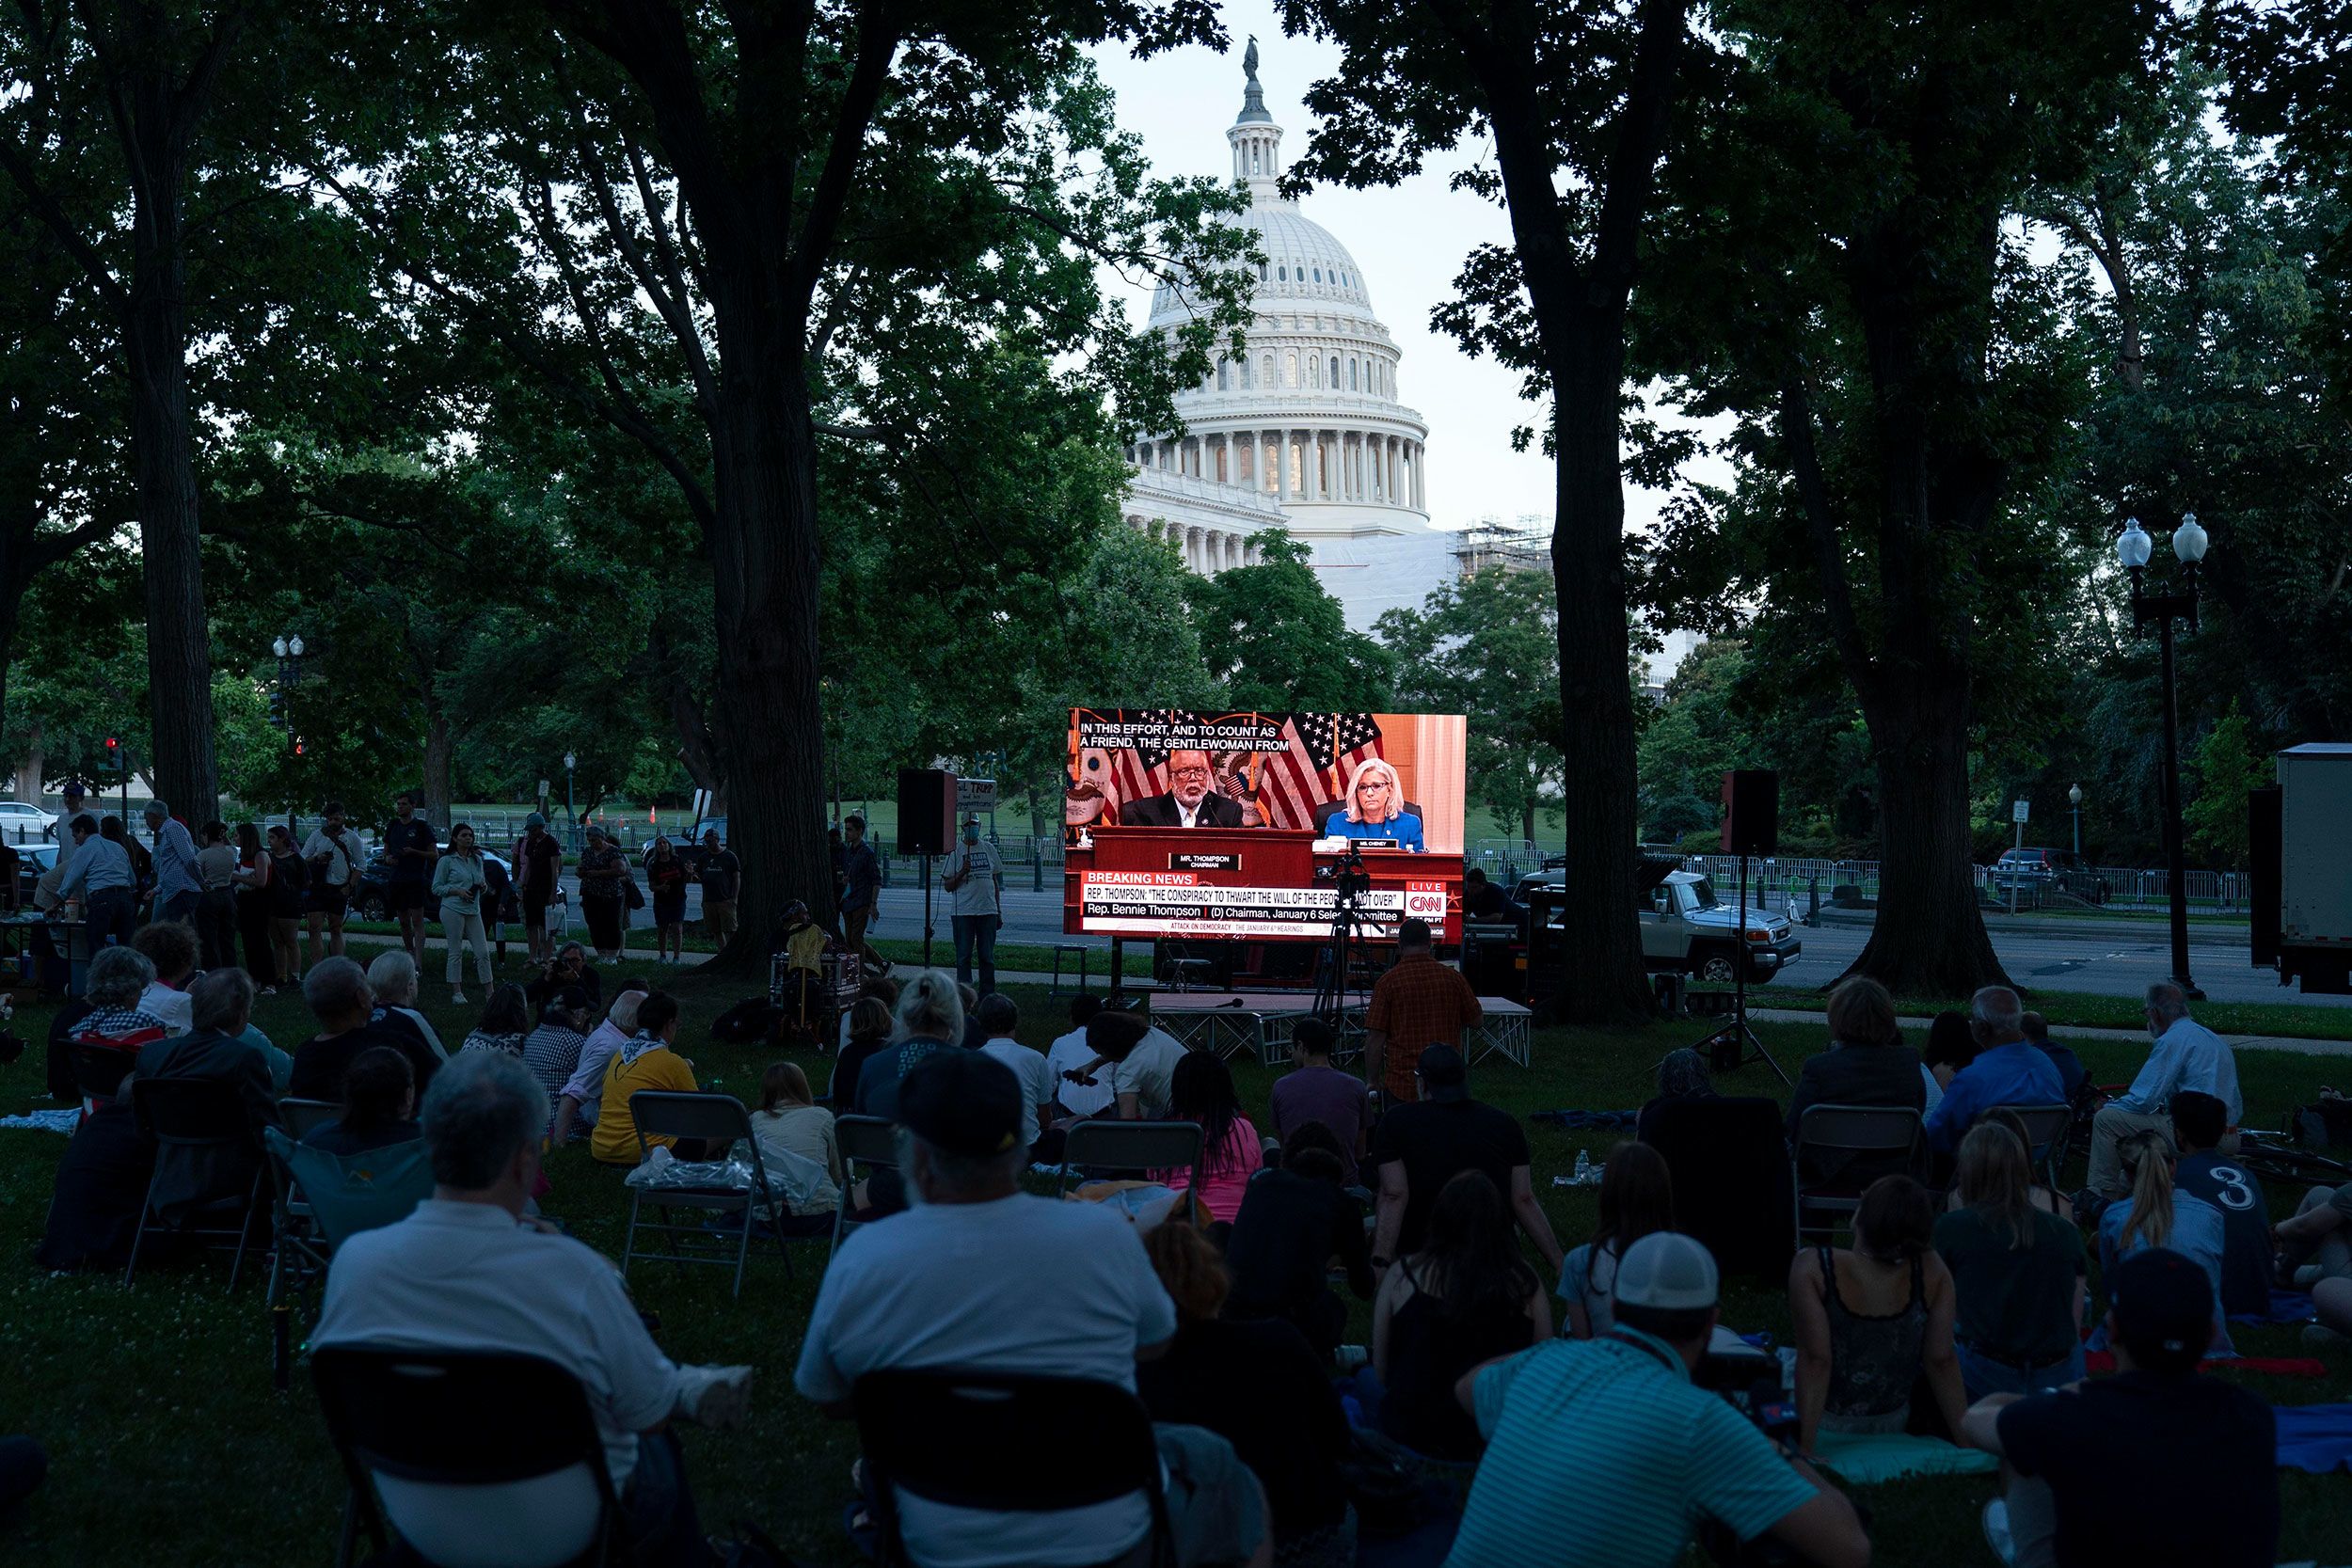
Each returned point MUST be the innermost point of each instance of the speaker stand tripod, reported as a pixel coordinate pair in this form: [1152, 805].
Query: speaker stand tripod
[927, 912]
[1735, 1045]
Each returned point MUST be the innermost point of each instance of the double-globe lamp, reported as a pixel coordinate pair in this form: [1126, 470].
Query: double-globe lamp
[2133, 547]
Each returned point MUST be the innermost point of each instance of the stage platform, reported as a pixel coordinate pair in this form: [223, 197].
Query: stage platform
[1232, 1021]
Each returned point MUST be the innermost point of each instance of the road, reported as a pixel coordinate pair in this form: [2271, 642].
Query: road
[2108, 963]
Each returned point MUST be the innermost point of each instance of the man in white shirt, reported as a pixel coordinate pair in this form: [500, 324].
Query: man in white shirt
[953, 1282]
[2187, 1055]
[334, 855]
[584, 1095]
[468, 1272]
[973, 876]
[999, 1018]
[1071, 1053]
[1140, 1060]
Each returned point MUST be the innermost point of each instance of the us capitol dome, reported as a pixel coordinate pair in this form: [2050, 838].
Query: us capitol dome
[1303, 430]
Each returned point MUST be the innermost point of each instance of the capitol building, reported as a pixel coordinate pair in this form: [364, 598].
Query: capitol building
[1304, 433]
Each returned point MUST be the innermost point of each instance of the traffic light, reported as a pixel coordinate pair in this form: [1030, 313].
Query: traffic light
[112, 761]
[298, 745]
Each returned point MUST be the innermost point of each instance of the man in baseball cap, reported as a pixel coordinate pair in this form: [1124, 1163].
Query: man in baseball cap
[2084, 1462]
[1603, 1451]
[981, 1277]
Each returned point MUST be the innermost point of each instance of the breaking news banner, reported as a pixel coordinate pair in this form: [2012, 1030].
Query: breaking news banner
[1175, 903]
[1388, 781]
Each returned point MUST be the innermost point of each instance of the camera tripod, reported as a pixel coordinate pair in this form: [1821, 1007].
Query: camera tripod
[1350, 880]
[1735, 1044]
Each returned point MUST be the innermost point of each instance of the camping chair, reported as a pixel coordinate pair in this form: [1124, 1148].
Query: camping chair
[322, 1200]
[1733, 1191]
[1133, 1146]
[869, 1141]
[1892, 1133]
[2047, 1130]
[98, 1069]
[721, 1122]
[467, 1456]
[971, 1439]
[195, 1114]
[301, 1116]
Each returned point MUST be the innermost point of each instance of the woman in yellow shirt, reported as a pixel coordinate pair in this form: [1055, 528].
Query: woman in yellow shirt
[646, 1061]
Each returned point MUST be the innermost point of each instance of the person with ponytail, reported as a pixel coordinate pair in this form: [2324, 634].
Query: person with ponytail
[1871, 1317]
[2017, 1272]
[2159, 1214]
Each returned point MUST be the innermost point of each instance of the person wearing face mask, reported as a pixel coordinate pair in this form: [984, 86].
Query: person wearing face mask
[974, 877]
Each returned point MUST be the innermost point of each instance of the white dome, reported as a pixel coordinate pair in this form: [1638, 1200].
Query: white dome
[1304, 265]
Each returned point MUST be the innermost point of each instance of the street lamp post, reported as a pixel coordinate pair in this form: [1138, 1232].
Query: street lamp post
[569, 809]
[289, 652]
[2075, 797]
[2133, 547]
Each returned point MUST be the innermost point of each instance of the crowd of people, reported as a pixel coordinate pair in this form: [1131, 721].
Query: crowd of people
[1545, 1404]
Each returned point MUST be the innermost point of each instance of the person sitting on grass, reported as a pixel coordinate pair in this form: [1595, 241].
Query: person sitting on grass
[646, 1061]
[2203, 1171]
[463, 1273]
[999, 1016]
[552, 1050]
[1070, 1054]
[2017, 1272]
[2159, 1214]
[931, 1020]
[1421, 1147]
[1604, 1454]
[1463, 1297]
[790, 1122]
[1637, 1199]
[392, 978]
[875, 988]
[339, 999]
[2072, 1073]
[379, 1106]
[1949, 1050]
[2048, 1199]
[170, 946]
[504, 1022]
[1203, 1094]
[1870, 1319]
[2154, 1464]
[583, 1097]
[1296, 1219]
[868, 1030]
[1314, 1090]
[1134, 1059]
[980, 1276]
[1260, 1387]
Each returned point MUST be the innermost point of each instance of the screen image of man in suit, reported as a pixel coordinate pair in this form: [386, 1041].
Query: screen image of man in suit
[1188, 802]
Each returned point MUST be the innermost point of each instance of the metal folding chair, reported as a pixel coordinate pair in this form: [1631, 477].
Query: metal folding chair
[195, 1114]
[469, 1426]
[1131, 1145]
[970, 1439]
[715, 1119]
[1859, 1130]
[2047, 1130]
[869, 1141]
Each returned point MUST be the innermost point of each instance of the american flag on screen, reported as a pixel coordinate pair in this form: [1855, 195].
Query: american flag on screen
[1325, 749]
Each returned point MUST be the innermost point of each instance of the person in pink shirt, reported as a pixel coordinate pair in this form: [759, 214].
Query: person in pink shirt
[1201, 1091]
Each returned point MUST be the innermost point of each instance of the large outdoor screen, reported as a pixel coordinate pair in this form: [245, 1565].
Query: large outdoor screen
[1183, 822]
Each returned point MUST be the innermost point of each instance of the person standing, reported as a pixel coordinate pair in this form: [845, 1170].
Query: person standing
[252, 880]
[177, 885]
[666, 874]
[538, 872]
[409, 844]
[1417, 1003]
[603, 873]
[458, 885]
[975, 878]
[287, 879]
[101, 877]
[216, 906]
[333, 855]
[723, 884]
[861, 880]
[61, 832]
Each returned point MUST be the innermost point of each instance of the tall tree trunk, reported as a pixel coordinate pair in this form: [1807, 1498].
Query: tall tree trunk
[1929, 940]
[155, 338]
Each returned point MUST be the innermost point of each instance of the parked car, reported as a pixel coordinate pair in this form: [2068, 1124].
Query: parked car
[368, 899]
[2033, 870]
[33, 861]
[1686, 928]
[688, 842]
[23, 822]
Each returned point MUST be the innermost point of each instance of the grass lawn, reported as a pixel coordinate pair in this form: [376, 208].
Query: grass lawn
[2089, 1010]
[167, 1442]
[1017, 957]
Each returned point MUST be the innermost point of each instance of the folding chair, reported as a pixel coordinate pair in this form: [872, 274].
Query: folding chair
[322, 1200]
[971, 1439]
[466, 1457]
[195, 1114]
[301, 1116]
[99, 1070]
[869, 1141]
[716, 1118]
[1894, 1132]
[2047, 1130]
[1131, 1145]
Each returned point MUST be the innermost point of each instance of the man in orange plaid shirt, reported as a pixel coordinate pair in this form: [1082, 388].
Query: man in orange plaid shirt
[1419, 1003]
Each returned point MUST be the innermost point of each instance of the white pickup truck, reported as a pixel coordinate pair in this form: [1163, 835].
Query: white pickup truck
[1686, 929]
